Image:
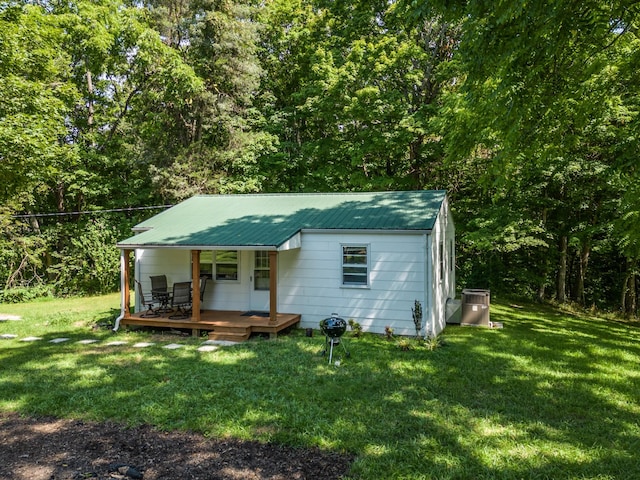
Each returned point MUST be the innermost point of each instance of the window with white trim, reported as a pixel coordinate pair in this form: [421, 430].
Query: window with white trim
[261, 271]
[227, 265]
[355, 265]
[206, 263]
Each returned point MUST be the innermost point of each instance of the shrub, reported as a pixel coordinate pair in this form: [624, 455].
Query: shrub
[356, 328]
[416, 313]
[388, 332]
[26, 294]
[433, 341]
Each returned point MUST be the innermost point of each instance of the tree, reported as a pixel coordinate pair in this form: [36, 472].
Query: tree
[547, 107]
[212, 143]
[73, 74]
[35, 99]
[355, 95]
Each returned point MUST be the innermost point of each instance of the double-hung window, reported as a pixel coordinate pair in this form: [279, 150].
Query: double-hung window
[261, 271]
[355, 265]
[206, 263]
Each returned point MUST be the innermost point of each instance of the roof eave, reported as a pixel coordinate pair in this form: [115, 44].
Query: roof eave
[380, 231]
[133, 246]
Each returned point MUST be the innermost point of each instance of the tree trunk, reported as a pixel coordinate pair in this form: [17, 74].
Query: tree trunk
[414, 160]
[60, 189]
[90, 102]
[629, 297]
[541, 291]
[583, 263]
[561, 279]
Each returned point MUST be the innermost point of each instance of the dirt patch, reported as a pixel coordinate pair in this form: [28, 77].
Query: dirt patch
[54, 449]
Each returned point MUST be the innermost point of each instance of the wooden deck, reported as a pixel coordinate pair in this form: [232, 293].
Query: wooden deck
[233, 326]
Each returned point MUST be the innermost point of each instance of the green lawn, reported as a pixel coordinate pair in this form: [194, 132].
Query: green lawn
[552, 395]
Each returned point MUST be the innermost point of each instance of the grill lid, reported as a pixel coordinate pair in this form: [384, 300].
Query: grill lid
[334, 326]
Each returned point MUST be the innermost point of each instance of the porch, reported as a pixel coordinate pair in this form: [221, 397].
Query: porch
[235, 326]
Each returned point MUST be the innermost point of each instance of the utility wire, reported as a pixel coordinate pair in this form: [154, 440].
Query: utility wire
[86, 212]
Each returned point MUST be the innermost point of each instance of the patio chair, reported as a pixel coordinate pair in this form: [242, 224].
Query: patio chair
[160, 292]
[158, 283]
[203, 286]
[181, 300]
[146, 302]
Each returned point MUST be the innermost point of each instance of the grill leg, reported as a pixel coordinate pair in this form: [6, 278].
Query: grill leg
[330, 342]
[344, 347]
[330, 350]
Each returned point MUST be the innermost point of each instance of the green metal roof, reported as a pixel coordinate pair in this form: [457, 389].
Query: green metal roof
[269, 220]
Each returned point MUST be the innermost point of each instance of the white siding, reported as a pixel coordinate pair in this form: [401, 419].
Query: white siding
[174, 263]
[310, 280]
[442, 284]
[223, 295]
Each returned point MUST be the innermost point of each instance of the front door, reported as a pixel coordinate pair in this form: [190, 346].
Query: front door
[260, 281]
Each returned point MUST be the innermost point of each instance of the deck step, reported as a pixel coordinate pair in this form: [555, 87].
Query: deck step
[229, 336]
[232, 328]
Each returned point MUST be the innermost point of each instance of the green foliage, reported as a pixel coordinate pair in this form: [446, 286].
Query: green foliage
[357, 109]
[540, 118]
[432, 342]
[416, 313]
[26, 294]
[88, 261]
[35, 98]
[356, 328]
[388, 332]
[404, 344]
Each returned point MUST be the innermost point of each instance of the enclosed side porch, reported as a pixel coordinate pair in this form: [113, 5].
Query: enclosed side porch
[222, 324]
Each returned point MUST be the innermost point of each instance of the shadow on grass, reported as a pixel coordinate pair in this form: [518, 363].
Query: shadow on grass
[549, 396]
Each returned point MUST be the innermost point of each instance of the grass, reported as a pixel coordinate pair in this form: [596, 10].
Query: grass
[552, 395]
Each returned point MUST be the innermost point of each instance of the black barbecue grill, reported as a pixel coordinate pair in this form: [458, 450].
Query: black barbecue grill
[333, 328]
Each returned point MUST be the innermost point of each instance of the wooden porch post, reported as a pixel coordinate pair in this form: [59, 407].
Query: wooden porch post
[195, 301]
[273, 286]
[124, 266]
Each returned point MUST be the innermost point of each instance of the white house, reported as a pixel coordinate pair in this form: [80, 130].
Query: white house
[365, 256]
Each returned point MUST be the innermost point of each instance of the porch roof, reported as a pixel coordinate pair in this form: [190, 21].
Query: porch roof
[274, 221]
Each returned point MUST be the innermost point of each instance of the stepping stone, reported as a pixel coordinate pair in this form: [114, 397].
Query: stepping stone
[219, 342]
[31, 339]
[58, 340]
[143, 344]
[4, 317]
[88, 341]
[117, 343]
[173, 346]
[8, 336]
[208, 348]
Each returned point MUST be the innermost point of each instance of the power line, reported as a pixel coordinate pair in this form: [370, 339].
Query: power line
[87, 212]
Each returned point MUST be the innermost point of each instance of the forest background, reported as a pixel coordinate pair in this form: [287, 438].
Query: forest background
[526, 112]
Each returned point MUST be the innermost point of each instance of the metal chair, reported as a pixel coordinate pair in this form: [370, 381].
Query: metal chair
[158, 283]
[181, 300]
[145, 302]
[160, 292]
[203, 286]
